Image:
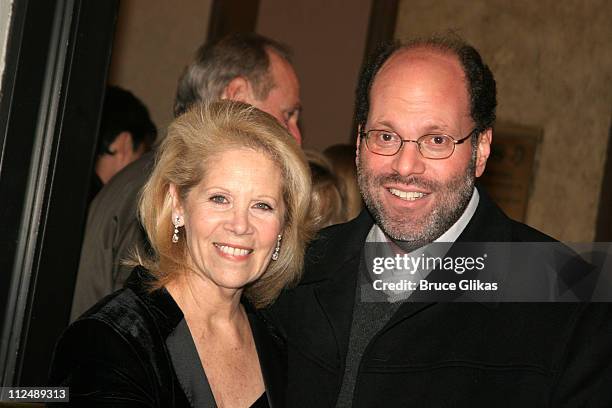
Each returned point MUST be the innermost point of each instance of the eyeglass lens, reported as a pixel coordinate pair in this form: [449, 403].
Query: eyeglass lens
[432, 146]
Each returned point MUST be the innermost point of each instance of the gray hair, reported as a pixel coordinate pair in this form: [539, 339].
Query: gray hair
[216, 65]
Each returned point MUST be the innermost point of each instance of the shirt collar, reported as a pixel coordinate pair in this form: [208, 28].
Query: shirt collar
[457, 228]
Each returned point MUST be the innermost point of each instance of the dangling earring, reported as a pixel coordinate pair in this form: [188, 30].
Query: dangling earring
[277, 249]
[175, 237]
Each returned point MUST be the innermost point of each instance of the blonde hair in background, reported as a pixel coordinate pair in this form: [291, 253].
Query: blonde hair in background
[327, 205]
[342, 159]
[189, 149]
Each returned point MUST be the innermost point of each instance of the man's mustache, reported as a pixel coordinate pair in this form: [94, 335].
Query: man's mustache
[413, 181]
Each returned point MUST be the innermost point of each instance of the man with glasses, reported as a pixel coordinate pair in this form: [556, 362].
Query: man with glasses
[425, 112]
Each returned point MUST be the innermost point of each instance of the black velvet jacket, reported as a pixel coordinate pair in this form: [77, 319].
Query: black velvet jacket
[133, 350]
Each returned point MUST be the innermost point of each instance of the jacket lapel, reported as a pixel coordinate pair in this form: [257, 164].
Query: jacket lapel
[336, 298]
[271, 361]
[187, 367]
[488, 224]
[336, 294]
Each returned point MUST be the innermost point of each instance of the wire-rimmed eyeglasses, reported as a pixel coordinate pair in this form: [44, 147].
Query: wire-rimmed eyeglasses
[431, 146]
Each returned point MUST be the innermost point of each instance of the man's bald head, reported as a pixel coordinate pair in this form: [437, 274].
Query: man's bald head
[480, 82]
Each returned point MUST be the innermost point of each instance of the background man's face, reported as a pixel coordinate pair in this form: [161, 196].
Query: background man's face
[107, 165]
[415, 93]
[283, 101]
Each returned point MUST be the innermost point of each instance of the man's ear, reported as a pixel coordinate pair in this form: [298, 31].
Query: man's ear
[358, 143]
[122, 148]
[484, 150]
[177, 207]
[238, 89]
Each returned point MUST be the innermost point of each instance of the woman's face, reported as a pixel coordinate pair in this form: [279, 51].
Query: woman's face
[232, 219]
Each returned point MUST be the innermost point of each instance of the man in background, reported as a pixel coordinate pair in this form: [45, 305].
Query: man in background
[126, 133]
[244, 67]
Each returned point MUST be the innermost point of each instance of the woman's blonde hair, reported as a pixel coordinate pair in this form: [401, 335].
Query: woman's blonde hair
[188, 150]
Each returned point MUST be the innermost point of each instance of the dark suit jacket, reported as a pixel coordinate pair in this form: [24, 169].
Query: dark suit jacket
[127, 351]
[442, 354]
[111, 233]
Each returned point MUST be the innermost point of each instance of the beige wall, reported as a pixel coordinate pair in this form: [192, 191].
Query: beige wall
[154, 41]
[328, 41]
[553, 65]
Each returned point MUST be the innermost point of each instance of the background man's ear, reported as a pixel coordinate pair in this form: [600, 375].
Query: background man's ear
[238, 89]
[484, 150]
[123, 147]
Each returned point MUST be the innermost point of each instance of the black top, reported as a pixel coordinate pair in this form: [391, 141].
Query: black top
[190, 373]
[133, 349]
[262, 402]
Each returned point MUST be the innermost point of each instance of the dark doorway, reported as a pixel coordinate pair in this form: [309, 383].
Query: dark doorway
[604, 217]
[57, 60]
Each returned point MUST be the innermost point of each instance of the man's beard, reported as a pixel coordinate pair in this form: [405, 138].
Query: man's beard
[452, 196]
